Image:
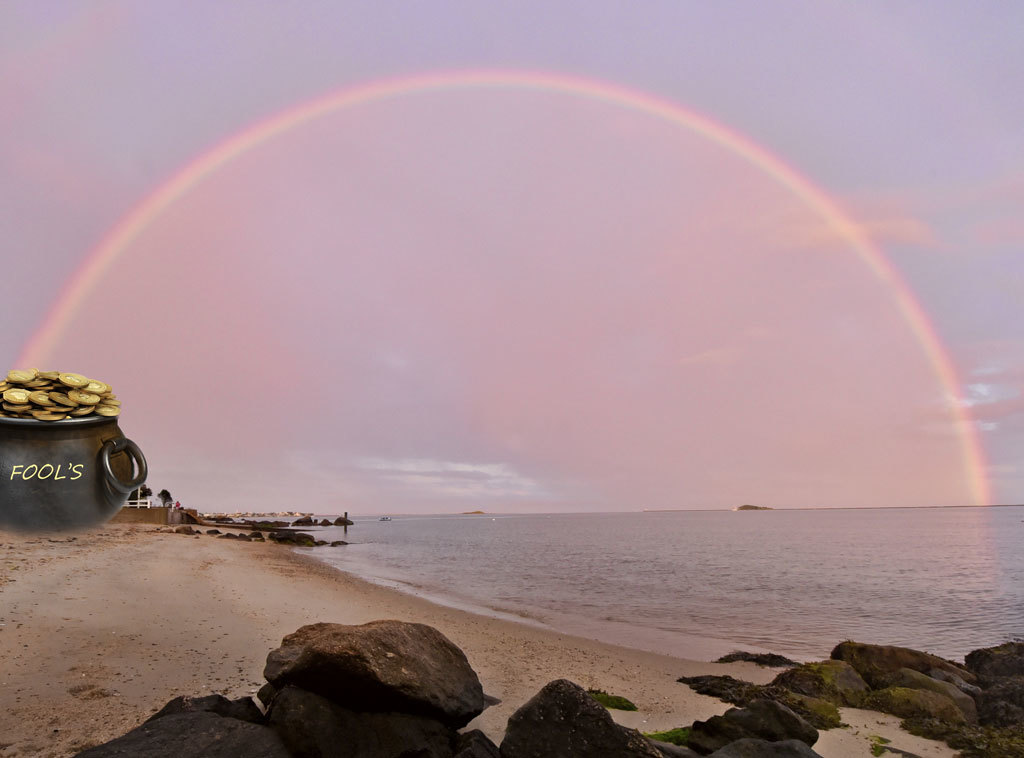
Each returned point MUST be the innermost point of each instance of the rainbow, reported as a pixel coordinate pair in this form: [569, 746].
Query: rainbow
[39, 346]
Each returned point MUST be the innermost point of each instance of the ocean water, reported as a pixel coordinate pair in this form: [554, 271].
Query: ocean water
[701, 583]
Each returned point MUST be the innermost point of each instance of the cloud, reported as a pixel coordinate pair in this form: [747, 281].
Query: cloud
[453, 478]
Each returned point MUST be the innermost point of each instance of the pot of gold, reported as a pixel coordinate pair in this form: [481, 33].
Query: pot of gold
[64, 462]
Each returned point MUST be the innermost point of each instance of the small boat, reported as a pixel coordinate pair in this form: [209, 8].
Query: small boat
[384, 518]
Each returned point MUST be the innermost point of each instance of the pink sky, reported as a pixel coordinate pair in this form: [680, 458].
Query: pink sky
[510, 300]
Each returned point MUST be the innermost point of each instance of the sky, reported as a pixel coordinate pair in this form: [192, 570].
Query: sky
[524, 256]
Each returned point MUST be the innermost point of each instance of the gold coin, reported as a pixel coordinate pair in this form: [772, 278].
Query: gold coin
[110, 401]
[4, 385]
[16, 408]
[84, 410]
[61, 399]
[107, 410]
[83, 398]
[16, 395]
[47, 416]
[20, 376]
[96, 387]
[75, 381]
[39, 397]
[51, 375]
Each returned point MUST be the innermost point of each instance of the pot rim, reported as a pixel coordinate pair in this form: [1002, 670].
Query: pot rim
[80, 421]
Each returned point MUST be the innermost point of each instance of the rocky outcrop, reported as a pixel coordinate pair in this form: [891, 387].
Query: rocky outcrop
[874, 662]
[383, 666]
[836, 682]
[992, 663]
[199, 734]
[345, 733]
[342, 521]
[243, 709]
[304, 521]
[751, 748]
[820, 714]
[762, 719]
[907, 703]
[915, 680]
[475, 744]
[772, 660]
[563, 720]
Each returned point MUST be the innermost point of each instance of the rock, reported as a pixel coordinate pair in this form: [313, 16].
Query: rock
[821, 714]
[751, 748]
[199, 734]
[762, 719]
[1002, 660]
[243, 709]
[723, 687]
[907, 703]
[266, 694]
[228, 536]
[213, 531]
[184, 530]
[915, 680]
[1002, 704]
[563, 720]
[381, 666]
[342, 521]
[324, 522]
[873, 662]
[835, 681]
[320, 543]
[304, 521]
[336, 543]
[244, 537]
[772, 660]
[475, 744]
[818, 713]
[312, 726]
[669, 750]
[944, 676]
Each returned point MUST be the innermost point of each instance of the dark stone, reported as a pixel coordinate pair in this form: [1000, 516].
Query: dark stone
[184, 530]
[245, 537]
[907, 703]
[752, 748]
[320, 543]
[873, 662]
[336, 543]
[243, 709]
[1002, 704]
[228, 536]
[762, 719]
[989, 663]
[915, 680]
[342, 521]
[772, 660]
[820, 714]
[944, 676]
[475, 744]
[266, 694]
[563, 720]
[313, 727]
[199, 734]
[668, 750]
[213, 531]
[304, 521]
[835, 681]
[382, 666]
[324, 522]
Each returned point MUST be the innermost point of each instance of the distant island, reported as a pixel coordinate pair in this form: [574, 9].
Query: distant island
[473, 513]
[752, 508]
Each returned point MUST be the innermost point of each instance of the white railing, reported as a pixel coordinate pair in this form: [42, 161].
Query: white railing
[147, 503]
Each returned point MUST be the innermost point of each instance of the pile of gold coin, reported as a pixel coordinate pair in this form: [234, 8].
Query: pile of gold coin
[55, 396]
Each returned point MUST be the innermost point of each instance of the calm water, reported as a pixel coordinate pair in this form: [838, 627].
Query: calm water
[699, 584]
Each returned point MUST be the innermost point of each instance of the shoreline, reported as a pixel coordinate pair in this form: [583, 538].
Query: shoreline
[101, 628]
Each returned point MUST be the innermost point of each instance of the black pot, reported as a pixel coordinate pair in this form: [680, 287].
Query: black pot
[65, 474]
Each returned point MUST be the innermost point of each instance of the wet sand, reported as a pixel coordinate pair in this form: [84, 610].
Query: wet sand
[99, 631]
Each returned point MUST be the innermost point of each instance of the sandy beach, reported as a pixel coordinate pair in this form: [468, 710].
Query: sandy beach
[99, 629]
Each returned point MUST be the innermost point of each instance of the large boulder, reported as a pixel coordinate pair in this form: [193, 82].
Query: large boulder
[835, 681]
[915, 680]
[243, 709]
[563, 720]
[989, 663]
[382, 666]
[751, 748]
[199, 734]
[820, 714]
[303, 521]
[670, 750]
[761, 719]
[1002, 704]
[342, 521]
[944, 676]
[907, 703]
[475, 744]
[312, 726]
[873, 662]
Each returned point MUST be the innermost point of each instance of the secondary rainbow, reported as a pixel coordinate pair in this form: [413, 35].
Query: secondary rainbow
[38, 348]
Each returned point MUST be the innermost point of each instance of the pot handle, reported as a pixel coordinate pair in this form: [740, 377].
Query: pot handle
[116, 446]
